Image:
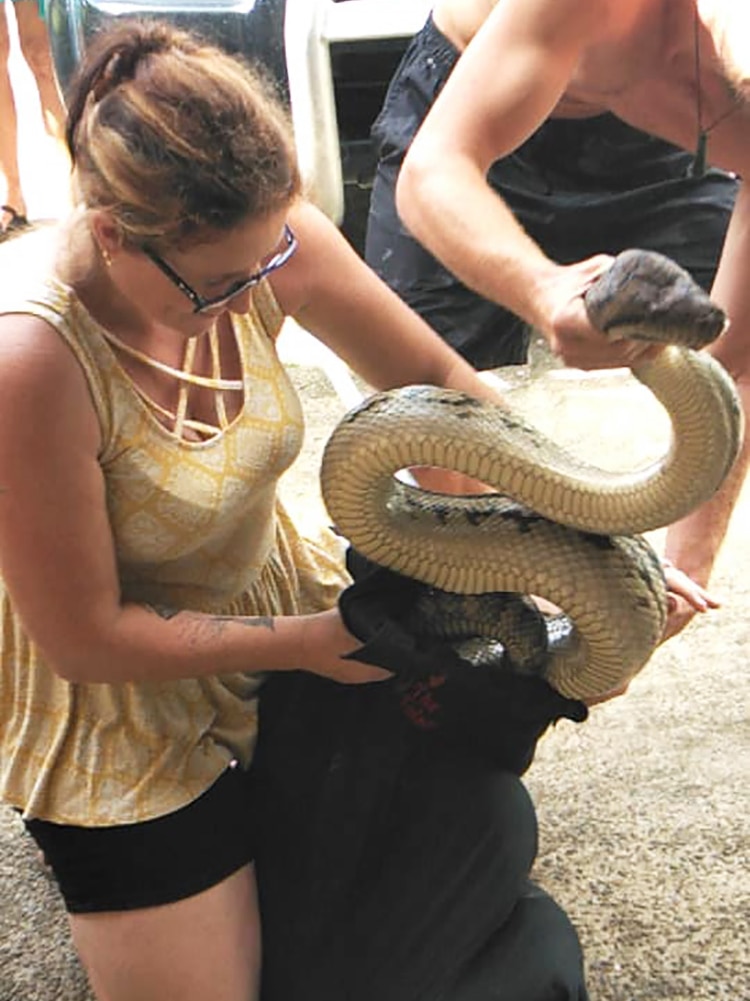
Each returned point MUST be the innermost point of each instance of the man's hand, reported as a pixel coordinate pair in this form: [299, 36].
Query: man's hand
[686, 597]
[568, 329]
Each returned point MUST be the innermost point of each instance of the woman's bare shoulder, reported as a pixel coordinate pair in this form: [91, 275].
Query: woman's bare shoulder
[41, 380]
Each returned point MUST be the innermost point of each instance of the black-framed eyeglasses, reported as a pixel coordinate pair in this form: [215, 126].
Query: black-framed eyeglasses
[276, 261]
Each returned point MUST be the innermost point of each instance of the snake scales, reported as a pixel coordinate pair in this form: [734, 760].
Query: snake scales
[557, 527]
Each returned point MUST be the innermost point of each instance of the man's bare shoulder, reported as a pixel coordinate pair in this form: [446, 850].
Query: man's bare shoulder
[683, 70]
[460, 20]
[635, 59]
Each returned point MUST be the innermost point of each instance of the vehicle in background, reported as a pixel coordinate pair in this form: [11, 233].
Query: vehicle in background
[331, 59]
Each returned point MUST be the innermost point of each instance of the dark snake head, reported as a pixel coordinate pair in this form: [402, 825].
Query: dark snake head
[647, 296]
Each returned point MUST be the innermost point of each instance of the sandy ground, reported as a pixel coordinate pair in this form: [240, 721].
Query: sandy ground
[643, 810]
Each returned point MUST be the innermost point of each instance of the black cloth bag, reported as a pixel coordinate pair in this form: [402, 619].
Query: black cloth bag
[393, 860]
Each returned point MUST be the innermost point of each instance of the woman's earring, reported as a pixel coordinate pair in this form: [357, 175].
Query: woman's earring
[106, 256]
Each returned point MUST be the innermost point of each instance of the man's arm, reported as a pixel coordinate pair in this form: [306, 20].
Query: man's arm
[505, 84]
[503, 87]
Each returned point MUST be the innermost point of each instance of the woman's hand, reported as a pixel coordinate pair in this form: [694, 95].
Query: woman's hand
[685, 597]
[326, 646]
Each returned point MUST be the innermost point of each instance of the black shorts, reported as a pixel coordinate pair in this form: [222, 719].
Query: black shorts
[157, 861]
[578, 187]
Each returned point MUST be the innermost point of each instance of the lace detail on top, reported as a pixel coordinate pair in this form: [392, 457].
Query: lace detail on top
[181, 423]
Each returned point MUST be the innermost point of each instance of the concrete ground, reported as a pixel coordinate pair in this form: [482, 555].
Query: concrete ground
[643, 810]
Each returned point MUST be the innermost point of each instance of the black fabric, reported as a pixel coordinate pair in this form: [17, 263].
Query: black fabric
[393, 867]
[579, 187]
[374, 608]
[157, 861]
[512, 965]
[495, 713]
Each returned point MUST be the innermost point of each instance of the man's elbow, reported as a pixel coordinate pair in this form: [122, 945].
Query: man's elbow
[411, 188]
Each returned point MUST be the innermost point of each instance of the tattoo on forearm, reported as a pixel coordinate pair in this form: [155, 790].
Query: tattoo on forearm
[252, 621]
[197, 624]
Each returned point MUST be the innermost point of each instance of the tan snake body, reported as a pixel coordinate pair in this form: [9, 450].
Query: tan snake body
[557, 527]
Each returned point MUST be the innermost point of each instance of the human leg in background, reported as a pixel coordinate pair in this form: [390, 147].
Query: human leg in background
[13, 202]
[35, 47]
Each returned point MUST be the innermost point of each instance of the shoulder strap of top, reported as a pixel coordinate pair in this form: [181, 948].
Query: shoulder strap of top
[57, 305]
[267, 309]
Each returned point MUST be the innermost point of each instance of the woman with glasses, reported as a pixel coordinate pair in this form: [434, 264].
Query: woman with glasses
[152, 582]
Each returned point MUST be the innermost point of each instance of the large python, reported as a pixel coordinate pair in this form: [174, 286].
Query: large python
[556, 528]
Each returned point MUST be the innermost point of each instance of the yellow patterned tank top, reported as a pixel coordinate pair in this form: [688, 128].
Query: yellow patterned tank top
[197, 524]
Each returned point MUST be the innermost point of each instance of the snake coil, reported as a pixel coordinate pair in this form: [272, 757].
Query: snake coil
[557, 527]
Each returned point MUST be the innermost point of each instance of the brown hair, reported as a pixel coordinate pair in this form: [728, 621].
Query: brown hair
[174, 136]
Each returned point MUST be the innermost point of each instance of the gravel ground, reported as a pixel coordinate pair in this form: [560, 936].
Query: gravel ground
[643, 810]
